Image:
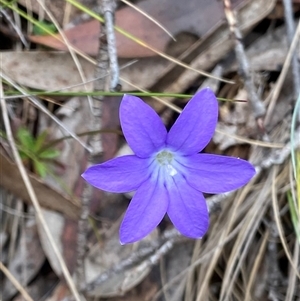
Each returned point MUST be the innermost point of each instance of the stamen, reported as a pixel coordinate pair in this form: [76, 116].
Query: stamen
[166, 160]
[164, 157]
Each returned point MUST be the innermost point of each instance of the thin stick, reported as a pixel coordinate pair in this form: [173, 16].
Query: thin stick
[14, 26]
[150, 18]
[244, 70]
[276, 157]
[108, 11]
[137, 261]
[95, 143]
[290, 28]
[33, 197]
[15, 282]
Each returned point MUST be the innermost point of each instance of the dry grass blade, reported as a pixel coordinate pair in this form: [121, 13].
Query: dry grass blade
[144, 44]
[203, 258]
[14, 26]
[290, 30]
[275, 92]
[222, 236]
[279, 224]
[163, 101]
[43, 109]
[33, 197]
[292, 277]
[148, 17]
[72, 52]
[251, 222]
[252, 141]
[177, 62]
[179, 110]
[15, 282]
[258, 260]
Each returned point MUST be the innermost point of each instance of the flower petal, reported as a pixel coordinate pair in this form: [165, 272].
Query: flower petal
[142, 127]
[187, 209]
[216, 174]
[145, 211]
[196, 124]
[121, 174]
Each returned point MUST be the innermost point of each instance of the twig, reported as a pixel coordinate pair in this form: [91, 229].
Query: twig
[108, 10]
[290, 28]
[15, 282]
[14, 26]
[274, 275]
[137, 259]
[135, 7]
[276, 157]
[256, 104]
[96, 146]
[212, 82]
[34, 199]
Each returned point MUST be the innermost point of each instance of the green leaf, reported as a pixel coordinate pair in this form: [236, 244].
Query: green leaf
[3, 134]
[43, 28]
[40, 168]
[26, 139]
[40, 141]
[49, 154]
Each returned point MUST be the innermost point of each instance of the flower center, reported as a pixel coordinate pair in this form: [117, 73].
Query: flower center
[165, 160]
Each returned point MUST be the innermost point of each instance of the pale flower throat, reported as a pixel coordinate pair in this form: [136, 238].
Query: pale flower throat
[165, 160]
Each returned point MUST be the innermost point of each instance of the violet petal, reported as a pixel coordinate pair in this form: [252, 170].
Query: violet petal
[187, 209]
[142, 127]
[196, 124]
[122, 174]
[145, 211]
[217, 174]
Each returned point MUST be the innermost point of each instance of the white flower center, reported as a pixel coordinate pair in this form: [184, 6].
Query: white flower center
[165, 160]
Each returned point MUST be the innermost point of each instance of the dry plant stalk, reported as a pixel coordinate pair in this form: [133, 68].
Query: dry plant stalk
[15, 282]
[107, 57]
[135, 260]
[33, 197]
[108, 11]
[256, 104]
[290, 28]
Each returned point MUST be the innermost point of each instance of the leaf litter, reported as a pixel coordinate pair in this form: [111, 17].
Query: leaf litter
[251, 250]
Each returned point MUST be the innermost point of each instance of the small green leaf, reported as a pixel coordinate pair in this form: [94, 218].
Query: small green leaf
[43, 28]
[2, 134]
[49, 154]
[25, 138]
[40, 168]
[40, 141]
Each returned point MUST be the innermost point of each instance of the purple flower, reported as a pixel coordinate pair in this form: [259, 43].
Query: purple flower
[167, 172]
